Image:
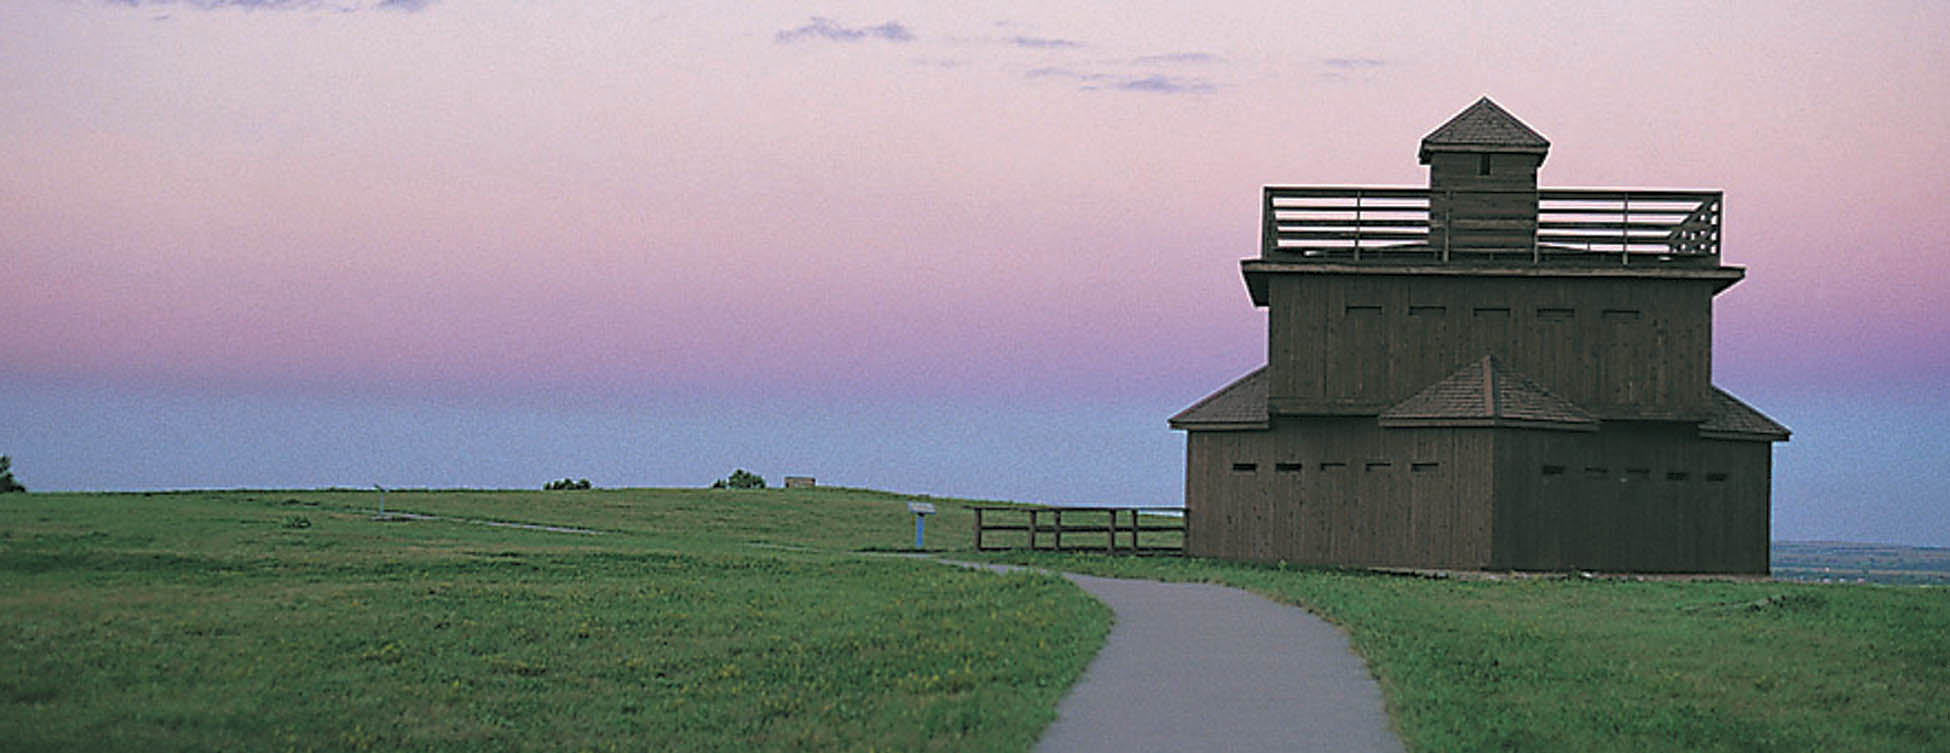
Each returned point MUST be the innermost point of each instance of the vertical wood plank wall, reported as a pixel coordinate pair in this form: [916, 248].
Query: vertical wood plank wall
[1340, 490]
[1621, 348]
[1645, 498]
[1642, 497]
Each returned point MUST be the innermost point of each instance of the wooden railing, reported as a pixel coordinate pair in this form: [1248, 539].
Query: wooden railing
[1351, 223]
[1117, 530]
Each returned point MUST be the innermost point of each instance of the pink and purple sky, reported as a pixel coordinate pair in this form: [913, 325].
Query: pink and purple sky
[978, 249]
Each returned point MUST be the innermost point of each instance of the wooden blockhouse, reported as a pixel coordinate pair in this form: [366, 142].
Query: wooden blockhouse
[1483, 374]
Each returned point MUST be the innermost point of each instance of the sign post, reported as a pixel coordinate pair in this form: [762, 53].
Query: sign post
[921, 512]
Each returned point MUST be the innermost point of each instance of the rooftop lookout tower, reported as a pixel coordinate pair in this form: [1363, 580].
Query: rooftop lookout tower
[1483, 205]
[1483, 373]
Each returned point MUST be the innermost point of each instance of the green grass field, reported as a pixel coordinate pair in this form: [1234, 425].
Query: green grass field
[1567, 664]
[292, 621]
[762, 620]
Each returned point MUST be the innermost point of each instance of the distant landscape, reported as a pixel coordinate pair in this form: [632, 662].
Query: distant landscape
[1846, 562]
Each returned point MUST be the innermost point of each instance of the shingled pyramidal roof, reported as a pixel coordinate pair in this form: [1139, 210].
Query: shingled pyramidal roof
[1240, 405]
[1733, 419]
[1488, 393]
[1483, 127]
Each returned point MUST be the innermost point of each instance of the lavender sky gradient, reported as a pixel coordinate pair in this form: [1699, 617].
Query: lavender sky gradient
[978, 249]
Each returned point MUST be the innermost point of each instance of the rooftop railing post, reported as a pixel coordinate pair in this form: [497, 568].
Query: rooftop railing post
[1448, 214]
[1536, 256]
[1269, 232]
[1357, 224]
[1625, 233]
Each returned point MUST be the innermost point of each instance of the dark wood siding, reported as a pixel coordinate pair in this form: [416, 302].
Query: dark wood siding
[1361, 495]
[1635, 348]
[1634, 497]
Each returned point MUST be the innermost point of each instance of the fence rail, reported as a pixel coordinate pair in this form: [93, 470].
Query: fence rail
[1567, 225]
[1117, 530]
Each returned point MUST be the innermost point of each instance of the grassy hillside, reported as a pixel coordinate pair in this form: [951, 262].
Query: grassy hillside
[735, 620]
[696, 620]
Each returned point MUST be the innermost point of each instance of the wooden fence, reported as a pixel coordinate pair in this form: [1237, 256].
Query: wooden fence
[1420, 224]
[1117, 530]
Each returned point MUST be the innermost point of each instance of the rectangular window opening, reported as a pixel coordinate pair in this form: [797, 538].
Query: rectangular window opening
[1332, 466]
[1379, 465]
[1592, 471]
[1363, 309]
[1714, 478]
[1483, 164]
[1677, 475]
[1621, 315]
[1428, 311]
[1492, 312]
[1423, 467]
[1555, 314]
[1553, 470]
[1288, 467]
[1245, 467]
[1638, 474]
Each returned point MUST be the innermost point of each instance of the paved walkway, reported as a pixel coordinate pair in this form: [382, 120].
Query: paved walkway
[1195, 667]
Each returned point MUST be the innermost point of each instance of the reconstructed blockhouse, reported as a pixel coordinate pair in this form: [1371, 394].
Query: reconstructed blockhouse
[1483, 374]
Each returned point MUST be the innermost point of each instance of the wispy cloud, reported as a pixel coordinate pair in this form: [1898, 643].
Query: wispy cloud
[1351, 69]
[1353, 64]
[1166, 85]
[1151, 84]
[826, 29]
[342, 6]
[1177, 58]
[1044, 43]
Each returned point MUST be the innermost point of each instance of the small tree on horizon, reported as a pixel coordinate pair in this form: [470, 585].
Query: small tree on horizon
[7, 482]
[740, 479]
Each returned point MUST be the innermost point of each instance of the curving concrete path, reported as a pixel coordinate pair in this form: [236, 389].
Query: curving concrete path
[1197, 667]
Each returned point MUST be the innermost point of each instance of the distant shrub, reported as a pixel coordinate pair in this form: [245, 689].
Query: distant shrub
[566, 485]
[297, 521]
[740, 479]
[7, 482]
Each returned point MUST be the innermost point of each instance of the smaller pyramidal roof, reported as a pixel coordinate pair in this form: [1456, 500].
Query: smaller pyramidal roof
[1488, 393]
[1733, 419]
[1240, 405]
[1484, 127]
